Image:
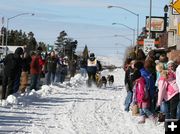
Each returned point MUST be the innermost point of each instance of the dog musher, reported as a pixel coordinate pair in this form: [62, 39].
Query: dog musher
[92, 68]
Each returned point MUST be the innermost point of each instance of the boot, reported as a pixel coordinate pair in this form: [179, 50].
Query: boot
[142, 120]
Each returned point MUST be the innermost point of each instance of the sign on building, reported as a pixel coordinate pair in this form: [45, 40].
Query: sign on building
[157, 24]
[148, 45]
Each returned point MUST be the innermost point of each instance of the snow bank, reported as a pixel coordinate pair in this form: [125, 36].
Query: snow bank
[11, 99]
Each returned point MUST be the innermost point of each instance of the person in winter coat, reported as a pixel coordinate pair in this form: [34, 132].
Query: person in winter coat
[26, 61]
[150, 65]
[41, 63]
[50, 68]
[83, 67]
[140, 97]
[19, 52]
[12, 73]
[163, 106]
[91, 68]
[178, 84]
[35, 70]
[150, 84]
[129, 84]
[72, 67]
[61, 71]
[168, 91]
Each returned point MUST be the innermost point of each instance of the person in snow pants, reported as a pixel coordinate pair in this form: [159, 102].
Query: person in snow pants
[12, 71]
[91, 69]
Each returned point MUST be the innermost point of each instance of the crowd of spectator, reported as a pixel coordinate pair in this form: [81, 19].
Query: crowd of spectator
[153, 86]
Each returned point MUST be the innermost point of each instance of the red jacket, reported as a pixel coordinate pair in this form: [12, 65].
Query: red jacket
[35, 65]
[140, 88]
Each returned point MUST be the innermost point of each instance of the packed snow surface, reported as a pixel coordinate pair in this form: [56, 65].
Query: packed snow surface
[73, 108]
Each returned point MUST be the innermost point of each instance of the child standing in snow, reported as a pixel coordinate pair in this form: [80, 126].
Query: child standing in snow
[141, 98]
[169, 92]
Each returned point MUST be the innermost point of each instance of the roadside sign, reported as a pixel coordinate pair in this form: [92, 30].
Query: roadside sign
[148, 45]
[175, 7]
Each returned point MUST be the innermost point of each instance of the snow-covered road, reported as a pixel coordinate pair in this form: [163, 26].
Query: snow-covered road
[73, 108]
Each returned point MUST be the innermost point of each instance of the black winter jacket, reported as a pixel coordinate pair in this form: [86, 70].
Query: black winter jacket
[12, 65]
[51, 64]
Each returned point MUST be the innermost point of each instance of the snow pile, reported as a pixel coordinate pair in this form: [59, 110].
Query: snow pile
[77, 80]
[28, 97]
[34, 94]
[11, 99]
[45, 90]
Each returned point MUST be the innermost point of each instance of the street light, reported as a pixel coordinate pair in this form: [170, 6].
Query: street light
[123, 37]
[137, 15]
[150, 12]
[128, 28]
[166, 8]
[8, 24]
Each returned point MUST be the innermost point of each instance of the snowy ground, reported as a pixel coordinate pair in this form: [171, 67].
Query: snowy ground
[72, 108]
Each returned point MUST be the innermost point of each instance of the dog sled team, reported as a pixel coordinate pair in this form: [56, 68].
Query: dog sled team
[102, 81]
[93, 67]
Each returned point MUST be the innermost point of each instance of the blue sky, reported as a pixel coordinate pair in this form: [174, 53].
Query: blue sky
[88, 21]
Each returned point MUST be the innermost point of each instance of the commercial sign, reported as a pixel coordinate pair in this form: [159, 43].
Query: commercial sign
[148, 45]
[157, 24]
[175, 7]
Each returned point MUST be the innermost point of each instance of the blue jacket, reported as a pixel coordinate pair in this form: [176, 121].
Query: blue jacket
[150, 84]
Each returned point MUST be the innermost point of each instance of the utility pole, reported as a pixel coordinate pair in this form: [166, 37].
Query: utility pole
[2, 31]
[150, 12]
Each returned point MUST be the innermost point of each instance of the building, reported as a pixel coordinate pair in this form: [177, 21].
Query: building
[174, 29]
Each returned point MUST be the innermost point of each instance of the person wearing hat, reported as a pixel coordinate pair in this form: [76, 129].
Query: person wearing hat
[91, 68]
[12, 72]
